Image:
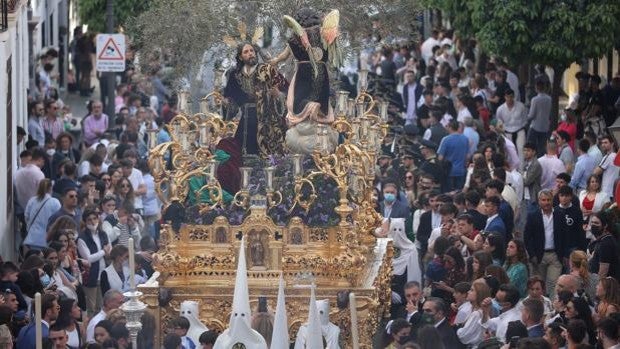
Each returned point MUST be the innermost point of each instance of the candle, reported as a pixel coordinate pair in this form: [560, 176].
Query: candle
[152, 138]
[360, 109]
[38, 329]
[297, 164]
[351, 108]
[132, 265]
[342, 102]
[269, 174]
[355, 129]
[363, 79]
[211, 166]
[184, 141]
[383, 110]
[245, 177]
[355, 337]
[204, 106]
[204, 135]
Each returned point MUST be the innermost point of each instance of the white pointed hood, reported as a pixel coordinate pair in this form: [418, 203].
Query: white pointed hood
[314, 334]
[279, 337]
[240, 330]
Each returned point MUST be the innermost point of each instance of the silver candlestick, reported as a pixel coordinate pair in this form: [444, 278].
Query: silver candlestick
[133, 310]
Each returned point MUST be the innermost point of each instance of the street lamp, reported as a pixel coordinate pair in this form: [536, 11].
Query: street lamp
[614, 130]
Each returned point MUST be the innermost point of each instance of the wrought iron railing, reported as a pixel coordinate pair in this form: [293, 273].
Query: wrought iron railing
[4, 15]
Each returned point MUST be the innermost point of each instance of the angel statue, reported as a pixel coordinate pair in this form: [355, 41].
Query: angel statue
[314, 46]
[253, 88]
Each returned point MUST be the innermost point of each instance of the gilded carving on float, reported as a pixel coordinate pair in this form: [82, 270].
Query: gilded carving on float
[197, 262]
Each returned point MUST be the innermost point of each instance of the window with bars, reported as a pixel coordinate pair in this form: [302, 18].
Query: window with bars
[4, 15]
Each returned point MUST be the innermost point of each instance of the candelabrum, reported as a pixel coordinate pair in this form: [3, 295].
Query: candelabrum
[190, 152]
[133, 310]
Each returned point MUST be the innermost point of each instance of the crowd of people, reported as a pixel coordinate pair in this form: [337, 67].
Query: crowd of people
[514, 223]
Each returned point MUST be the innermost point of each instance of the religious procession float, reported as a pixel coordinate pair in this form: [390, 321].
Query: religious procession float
[290, 185]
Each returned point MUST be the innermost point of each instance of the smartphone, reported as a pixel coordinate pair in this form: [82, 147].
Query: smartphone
[262, 304]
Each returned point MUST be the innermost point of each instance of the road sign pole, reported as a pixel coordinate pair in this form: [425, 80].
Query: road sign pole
[110, 76]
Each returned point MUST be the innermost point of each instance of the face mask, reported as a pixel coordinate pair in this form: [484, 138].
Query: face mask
[45, 280]
[51, 152]
[389, 197]
[563, 117]
[495, 304]
[403, 339]
[126, 264]
[427, 319]
[596, 230]
[91, 227]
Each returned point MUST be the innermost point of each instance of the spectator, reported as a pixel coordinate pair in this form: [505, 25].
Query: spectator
[494, 223]
[531, 315]
[67, 178]
[207, 339]
[59, 337]
[592, 199]
[95, 124]
[538, 117]
[606, 166]
[28, 177]
[536, 290]
[51, 123]
[102, 331]
[49, 311]
[64, 151]
[68, 321]
[392, 206]
[8, 278]
[578, 309]
[181, 326]
[607, 329]
[544, 244]
[604, 248]
[553, 336]
[116, 275]
[516, 265]
[37, 214]
[454, 148]
[69, 208]
[608, 294]
[120, 333]
[135, 178]
[583, 167]
[508, 297]
[472, 332]
[113, 299]
[93, 246]
[552, 166]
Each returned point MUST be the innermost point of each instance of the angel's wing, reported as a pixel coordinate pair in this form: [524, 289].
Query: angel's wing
[230, 41]
[258, 33]
[243, 30]
[329, 28]
[329, 37]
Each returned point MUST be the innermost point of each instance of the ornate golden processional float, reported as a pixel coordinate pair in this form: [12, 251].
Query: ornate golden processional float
[197, 262]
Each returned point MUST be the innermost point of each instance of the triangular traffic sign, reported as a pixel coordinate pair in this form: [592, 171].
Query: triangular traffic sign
[110, 51]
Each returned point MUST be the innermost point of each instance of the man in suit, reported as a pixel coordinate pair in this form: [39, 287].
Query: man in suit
[494, 223]
[472, 201]
[429, 220]
[532, 174]
[436, 308]
[532, 313]
[412, 91]
[49, 311]
[495, 187]
[543, 242]
[392, 206]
